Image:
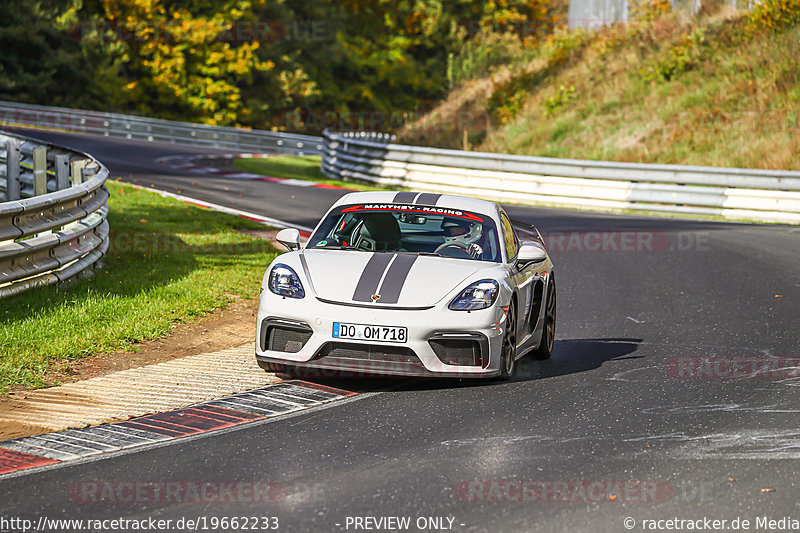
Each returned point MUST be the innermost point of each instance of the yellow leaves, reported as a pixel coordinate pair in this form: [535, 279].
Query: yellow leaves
[180, 60]
[773, 15]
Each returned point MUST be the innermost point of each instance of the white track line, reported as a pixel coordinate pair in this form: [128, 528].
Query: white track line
[231, 211]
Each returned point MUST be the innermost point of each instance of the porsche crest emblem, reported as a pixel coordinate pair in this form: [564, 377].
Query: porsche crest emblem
[376, 297]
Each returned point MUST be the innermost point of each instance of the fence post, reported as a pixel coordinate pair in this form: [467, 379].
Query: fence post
[39, 170]
[62, 172]
[87, 173]
[12, 170]
[75, 171]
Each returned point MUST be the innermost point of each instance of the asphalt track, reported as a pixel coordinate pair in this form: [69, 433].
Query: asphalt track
[650, 392]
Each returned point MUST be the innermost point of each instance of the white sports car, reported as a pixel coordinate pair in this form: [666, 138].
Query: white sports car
[408, 284]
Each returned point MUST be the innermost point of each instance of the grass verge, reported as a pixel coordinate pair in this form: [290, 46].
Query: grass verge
[720, 89]
[299, 168]
[168, 262]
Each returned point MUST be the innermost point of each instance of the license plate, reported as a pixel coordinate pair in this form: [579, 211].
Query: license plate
[366, 332]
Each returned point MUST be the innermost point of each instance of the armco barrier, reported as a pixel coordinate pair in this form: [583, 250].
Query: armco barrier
[153, 129]
[742, 194]
[53, 223]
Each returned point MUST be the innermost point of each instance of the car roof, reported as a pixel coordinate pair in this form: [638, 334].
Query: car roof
[416, 198]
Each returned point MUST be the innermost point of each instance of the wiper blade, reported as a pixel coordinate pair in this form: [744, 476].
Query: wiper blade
[434, 254]
[338, 247]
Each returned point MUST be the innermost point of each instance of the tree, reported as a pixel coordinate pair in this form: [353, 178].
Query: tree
[39, 63]
[173, 61]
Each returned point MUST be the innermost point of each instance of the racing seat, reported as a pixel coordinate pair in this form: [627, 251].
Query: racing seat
[379, 232]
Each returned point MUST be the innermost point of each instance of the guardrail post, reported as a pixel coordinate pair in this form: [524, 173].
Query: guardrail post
[87, 173]
[39, 171]
[62, 172]
[41, 250]
[75, 171]
[12, 172]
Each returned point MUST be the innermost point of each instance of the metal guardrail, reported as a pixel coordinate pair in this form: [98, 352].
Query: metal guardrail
[156, 130]
[53, 223]
[733, 193]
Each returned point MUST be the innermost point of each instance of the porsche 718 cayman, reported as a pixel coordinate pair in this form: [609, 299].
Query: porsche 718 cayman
[408, 284]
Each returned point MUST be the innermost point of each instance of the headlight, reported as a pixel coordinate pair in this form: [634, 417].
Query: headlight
[479, 295]
[284, 282]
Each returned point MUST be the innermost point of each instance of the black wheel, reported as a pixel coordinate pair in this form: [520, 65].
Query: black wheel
[508, 363]
[545, 349]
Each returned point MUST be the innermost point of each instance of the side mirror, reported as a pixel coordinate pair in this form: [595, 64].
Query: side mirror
[290, 238]
[530, 253]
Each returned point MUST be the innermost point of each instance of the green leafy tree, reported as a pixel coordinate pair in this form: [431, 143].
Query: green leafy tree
[39, 62]
[261, 63]
[173, 59]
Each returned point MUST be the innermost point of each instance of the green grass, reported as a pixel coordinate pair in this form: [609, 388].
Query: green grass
[721, 89]
[168, 263]
[299, 168]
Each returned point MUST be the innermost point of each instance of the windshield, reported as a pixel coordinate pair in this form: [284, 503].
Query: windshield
[410, 229]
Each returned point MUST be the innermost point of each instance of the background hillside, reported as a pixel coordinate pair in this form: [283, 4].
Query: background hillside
[299, 65]
[721, 89]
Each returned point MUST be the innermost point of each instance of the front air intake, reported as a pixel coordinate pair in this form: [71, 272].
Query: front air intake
[284, 336]
[461, 349]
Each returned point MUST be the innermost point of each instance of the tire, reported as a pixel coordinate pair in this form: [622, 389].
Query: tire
[508, 361]
[545, 349]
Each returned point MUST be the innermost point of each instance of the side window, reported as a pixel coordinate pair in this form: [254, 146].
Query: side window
[509, 239]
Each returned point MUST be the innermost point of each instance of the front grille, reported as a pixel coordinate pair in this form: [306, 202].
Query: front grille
[358, 354]
[461, 352]
[284, 336]
[287, 340]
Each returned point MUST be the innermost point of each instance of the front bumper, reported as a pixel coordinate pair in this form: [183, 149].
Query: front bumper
[304, 340]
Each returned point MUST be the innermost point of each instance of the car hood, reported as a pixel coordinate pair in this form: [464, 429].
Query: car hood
[401, 280]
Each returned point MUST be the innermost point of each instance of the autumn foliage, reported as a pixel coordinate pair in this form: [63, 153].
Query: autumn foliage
[250, 62]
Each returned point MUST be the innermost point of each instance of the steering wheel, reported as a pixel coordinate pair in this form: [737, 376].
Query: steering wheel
[453, 250]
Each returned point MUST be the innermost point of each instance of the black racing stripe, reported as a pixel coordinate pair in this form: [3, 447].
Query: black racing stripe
[428, 198]
[396, 278]
[405, 197]
[371, 276]
[307, 272]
